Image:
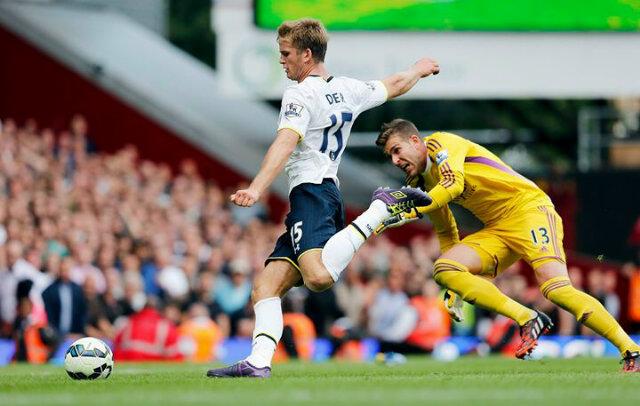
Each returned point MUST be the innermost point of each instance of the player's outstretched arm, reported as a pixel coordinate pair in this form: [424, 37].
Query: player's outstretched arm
[272, 165]
[401, 82]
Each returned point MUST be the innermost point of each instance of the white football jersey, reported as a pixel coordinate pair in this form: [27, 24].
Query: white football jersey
[322, 113]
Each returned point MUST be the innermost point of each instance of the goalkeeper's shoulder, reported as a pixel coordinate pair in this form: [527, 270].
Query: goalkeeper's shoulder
[416, 181]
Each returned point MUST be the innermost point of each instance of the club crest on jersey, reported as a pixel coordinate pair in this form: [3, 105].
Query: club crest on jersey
[441, 156]
[293, 110]
[398, 195]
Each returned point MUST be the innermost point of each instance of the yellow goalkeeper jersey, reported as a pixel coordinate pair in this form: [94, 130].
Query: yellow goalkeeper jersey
[468, 174]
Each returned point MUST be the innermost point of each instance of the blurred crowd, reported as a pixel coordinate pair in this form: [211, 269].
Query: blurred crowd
[158, 263]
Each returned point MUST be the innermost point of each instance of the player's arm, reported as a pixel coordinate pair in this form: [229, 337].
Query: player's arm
[293, 123]
[272, 165]
[447, 231]
[401, 82]
[446, 227]
[448, 154]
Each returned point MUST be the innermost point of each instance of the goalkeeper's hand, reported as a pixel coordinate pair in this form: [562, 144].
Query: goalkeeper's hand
[398, 220]
[453, 303]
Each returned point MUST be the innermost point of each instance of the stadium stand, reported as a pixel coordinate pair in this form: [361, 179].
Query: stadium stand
[128, 232]
[106, 206]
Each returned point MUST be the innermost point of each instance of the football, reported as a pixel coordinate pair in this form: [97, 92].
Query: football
[88, 358]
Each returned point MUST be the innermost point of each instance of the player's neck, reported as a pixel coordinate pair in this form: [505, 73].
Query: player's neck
[315, 70]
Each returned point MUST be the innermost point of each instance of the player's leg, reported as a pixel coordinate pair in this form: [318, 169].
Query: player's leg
[316, 276]
[341, 247]
[486, 254]
[323, 245]
[541, 245]
[459, 268]
[555, 285]
[321, 268]
[269, 286]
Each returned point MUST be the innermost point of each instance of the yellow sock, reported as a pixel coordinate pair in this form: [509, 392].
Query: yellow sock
[588, 311]
[479, 291]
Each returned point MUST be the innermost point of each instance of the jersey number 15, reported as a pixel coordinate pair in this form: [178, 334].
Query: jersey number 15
[336, 125]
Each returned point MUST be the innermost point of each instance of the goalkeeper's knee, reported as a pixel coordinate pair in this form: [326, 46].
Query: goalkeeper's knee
[455, 276]
[445, 270]
[479, 291]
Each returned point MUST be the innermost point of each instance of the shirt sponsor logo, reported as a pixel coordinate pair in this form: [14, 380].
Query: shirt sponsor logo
[441, 156]
[293, 110]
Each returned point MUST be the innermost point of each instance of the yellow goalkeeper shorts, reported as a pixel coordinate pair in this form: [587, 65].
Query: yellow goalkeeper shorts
[534, 235]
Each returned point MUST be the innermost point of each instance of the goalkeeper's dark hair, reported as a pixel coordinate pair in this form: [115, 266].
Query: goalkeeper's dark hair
[399, 126]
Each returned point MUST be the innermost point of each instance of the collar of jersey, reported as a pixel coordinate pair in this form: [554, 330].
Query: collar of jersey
[318, 76]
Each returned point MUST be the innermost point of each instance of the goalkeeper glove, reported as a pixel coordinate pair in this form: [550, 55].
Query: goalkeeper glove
[453, 303]
[398, 220]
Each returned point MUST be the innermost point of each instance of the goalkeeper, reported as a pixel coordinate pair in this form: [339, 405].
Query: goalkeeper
[519, 222]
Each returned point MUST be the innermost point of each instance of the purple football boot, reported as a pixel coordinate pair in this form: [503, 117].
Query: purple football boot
[242, 369]
[401, 200]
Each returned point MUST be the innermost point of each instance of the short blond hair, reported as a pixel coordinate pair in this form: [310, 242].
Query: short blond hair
[306, 33]
[399, 126]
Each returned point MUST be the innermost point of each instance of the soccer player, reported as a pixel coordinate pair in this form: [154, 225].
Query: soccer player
[519, 222]
[315, 122]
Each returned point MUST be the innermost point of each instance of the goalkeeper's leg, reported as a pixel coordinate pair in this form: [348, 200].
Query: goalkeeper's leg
[477, 290]
[556, 286]
[454, 271]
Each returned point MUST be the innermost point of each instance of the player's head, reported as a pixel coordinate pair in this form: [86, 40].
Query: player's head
[303, 45]
[401, 141]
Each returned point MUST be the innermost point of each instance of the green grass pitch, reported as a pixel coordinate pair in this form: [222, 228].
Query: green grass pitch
[468, 381]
